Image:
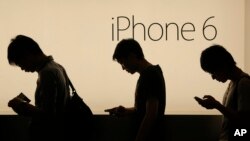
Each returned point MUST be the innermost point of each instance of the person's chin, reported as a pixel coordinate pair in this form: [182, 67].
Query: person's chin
[222, 81]
[31, 71]
[131, 72]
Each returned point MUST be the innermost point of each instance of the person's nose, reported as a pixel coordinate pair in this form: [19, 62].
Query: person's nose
[22, 68]
[213, 77]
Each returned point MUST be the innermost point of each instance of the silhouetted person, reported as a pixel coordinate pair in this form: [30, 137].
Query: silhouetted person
[219, 63]
[150, 95]
[51, 93]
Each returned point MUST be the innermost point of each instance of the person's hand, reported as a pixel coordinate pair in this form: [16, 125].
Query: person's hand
[116, 111]
[208, 102]
[15, 102]
[17, 105]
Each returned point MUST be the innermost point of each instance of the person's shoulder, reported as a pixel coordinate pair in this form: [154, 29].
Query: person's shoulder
[245, 78]
[153, 68]
[244, 82]
[156, 69]
[51, 67]
[152, 71]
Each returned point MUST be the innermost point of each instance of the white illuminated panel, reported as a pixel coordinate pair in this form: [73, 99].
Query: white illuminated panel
[82, 35]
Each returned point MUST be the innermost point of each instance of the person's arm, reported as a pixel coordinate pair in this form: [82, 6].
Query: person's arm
[120, 111]
[48, 91]
[243, 100]
[47, 86]
[229, 113]
[148, 120]
[23, 108]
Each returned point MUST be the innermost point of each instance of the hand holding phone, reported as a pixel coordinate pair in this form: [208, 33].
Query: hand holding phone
[208, 102]
[199, 100]
[16, 101]
[116, 111]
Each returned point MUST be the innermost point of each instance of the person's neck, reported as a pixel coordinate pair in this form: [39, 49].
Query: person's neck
[142, 65]
[41, 62]
[236, 74]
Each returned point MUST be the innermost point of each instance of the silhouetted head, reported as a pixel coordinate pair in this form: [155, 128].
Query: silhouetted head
[128, 52]
[22, 51]
[127, 46]
[217, 61]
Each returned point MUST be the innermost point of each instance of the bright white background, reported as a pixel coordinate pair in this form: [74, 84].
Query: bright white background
[78, 34]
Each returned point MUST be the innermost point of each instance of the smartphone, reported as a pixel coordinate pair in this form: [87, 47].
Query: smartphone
[23, 97]
[198, 99]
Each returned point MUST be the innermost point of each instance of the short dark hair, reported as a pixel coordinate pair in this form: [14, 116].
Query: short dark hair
[127, 46]
[20, 46]
[215, 57]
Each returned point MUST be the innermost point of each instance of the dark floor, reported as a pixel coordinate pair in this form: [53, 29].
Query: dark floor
[107, 128]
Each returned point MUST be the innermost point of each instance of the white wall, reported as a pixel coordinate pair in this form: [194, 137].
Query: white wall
[79, 35]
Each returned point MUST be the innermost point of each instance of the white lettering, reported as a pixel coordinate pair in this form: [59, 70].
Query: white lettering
[240, 132]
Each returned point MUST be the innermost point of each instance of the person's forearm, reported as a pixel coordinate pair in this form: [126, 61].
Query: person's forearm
[28, 109]
[130, 111]
[227, 112]
[145, 128]
[148, 121]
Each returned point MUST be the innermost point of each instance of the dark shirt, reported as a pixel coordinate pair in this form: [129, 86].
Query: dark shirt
[151, 84]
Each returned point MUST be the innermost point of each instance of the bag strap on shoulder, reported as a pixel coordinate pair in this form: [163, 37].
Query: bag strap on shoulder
[70, 83]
